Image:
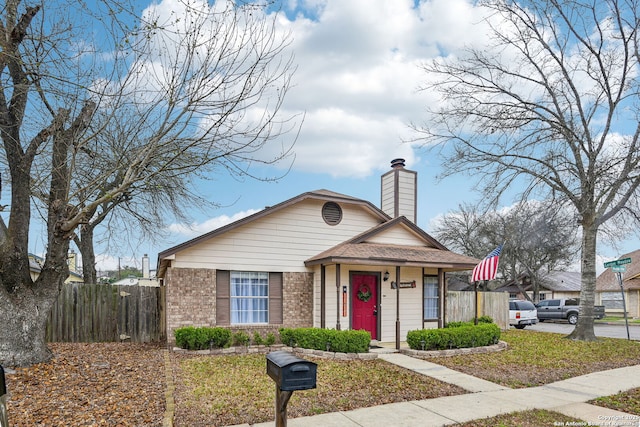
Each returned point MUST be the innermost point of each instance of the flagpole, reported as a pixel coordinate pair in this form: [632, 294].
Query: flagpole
[475, 293]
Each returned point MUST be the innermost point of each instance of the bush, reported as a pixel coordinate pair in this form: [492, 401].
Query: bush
[241, 338]
[485, 319]
[192, 338]
[271, 339]
[257, 338]
[457, 337]
[458, 324]
[322, 339]
[481, 320]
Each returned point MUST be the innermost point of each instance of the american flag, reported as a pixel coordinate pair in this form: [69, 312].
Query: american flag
[488, 267]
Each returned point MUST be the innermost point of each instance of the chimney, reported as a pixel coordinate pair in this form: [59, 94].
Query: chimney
[399, 191]
[72, 260]
[145, 266]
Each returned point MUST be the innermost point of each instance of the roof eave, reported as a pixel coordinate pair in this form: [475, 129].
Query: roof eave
[388, 261]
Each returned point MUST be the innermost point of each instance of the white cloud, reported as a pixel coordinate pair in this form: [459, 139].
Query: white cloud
[196, 229]
[358, 74]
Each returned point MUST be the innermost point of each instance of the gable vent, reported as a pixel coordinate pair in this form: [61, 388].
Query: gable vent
[332, 213]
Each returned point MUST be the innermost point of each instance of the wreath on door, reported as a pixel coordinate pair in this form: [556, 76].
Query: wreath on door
[364, 293]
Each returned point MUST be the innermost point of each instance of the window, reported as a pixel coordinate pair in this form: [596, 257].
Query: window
[513, 295]
[430, 287]
[521, 305]
[542, 296]
[249, 297]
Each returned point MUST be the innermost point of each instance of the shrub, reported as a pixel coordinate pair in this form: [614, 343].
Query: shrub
[202, 338]
[257, 338]
[241, 338]
[271, 339]
[456, 337]
[458, 324]
[322, 339]
[481, 320]
[485, 319]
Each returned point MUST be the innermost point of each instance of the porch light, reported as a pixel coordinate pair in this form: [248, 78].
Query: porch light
[386, 276]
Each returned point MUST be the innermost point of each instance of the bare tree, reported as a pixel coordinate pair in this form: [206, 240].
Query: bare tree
[538, 238]
[146, 206]
[552, 104]
[204, 83]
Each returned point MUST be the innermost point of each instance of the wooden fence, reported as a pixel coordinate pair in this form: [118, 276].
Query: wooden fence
[107, 313]
[461, 307]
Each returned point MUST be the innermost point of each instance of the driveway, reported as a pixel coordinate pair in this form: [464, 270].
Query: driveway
[600, 329]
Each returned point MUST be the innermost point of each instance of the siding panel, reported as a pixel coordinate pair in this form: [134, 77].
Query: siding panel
[279, 242]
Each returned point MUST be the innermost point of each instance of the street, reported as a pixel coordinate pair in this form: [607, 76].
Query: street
[600, 329]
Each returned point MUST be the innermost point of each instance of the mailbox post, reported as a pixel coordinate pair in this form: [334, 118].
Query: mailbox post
[4, 422]
[289, 373]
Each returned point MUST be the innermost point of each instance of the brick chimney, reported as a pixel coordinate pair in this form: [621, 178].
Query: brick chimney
[399, 191]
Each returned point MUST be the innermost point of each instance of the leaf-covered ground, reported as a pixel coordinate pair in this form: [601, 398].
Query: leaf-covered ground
[110, 384]
[537, 358]
[106, 384]
[219, 391]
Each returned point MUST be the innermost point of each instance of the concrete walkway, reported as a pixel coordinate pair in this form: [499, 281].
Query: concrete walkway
[486, 400]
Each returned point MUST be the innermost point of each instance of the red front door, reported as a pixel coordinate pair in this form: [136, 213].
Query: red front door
[364, 303]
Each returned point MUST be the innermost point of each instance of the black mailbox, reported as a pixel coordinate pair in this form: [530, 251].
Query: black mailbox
[291, 373]
[4, 422]
[3, 386]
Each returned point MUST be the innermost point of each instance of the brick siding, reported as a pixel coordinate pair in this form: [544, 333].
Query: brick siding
[297, 300]
[191, 298]
[191, 301]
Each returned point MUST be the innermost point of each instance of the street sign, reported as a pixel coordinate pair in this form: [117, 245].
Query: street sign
[617, 262]
[619, 268]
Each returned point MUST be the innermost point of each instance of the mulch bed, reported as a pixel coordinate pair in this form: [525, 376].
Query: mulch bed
[100, 384]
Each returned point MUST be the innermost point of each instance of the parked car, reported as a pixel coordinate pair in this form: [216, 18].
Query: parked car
[564, 309]
[522, 313]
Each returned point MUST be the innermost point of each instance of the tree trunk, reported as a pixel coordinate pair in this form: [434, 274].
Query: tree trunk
[85, 246]
[23, 321]
[584, 328]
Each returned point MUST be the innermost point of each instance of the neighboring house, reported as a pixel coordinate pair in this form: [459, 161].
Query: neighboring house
[74, 271]
[557, 284]
[321, 259]
[145, 280]
[35, 266]
[609, 293]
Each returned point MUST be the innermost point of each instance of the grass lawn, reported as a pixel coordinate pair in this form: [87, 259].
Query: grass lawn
[223, 390]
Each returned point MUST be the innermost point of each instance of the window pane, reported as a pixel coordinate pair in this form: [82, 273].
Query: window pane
[249, 297]
[430, 286]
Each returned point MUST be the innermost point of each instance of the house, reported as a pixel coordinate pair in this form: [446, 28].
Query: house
[35, 268]
[609, 293]
[74, 272]
[556, 284]
[147, 278]
[320, 259]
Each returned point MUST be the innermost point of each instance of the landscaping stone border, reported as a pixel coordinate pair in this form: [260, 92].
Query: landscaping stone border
[264, 349]
[455, 351]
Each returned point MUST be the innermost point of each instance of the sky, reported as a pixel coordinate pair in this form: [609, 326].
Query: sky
[357, 84]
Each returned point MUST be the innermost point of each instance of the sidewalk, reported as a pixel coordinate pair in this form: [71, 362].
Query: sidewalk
[486, 399]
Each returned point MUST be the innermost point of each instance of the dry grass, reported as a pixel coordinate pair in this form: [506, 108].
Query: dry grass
[235, 389]
[123, 384]
[538, 358]
[228, 390]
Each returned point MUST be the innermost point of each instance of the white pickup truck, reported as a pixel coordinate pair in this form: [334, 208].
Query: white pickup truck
[522, 313]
